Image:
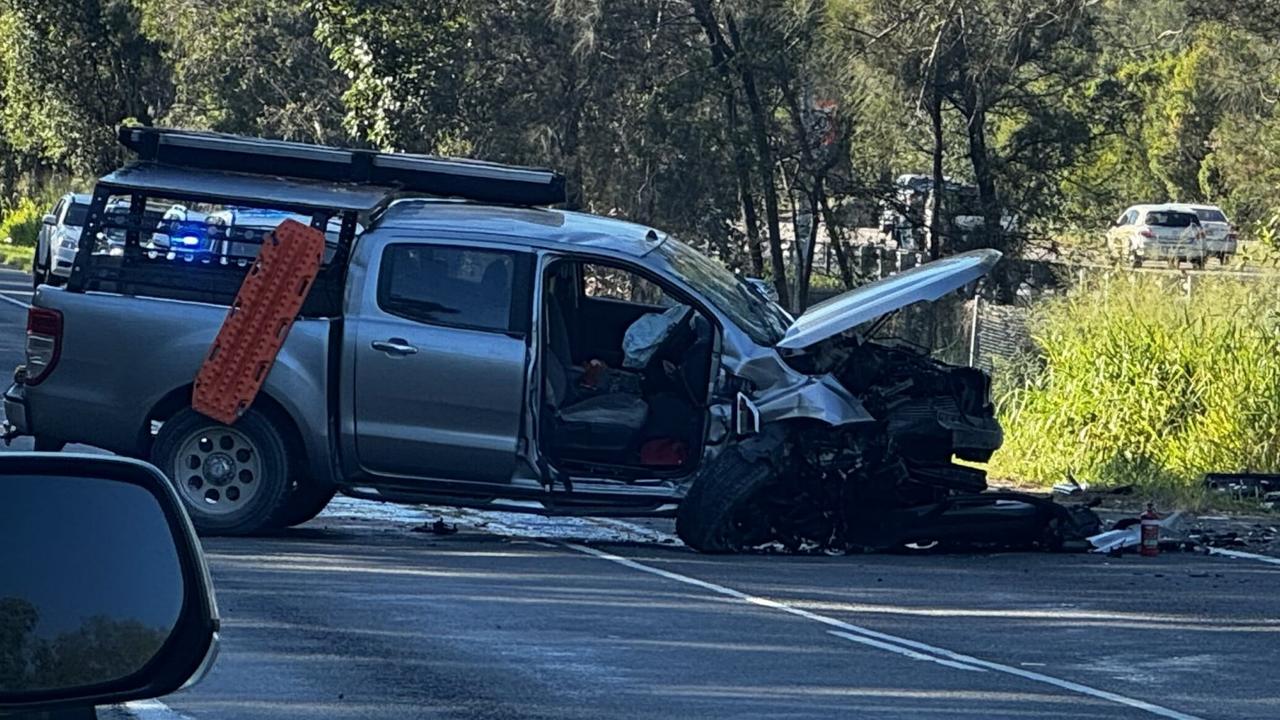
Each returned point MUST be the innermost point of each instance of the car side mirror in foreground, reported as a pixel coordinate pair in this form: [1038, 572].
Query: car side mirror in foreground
[104, 593]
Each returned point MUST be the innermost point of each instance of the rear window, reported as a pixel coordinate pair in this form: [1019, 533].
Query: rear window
[453, 286]
[1210, 215]
[76, 215]
[1171, 219]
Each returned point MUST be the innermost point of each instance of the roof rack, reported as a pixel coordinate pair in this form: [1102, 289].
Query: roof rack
[444, 177]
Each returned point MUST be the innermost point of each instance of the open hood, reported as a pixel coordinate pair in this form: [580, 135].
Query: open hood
[924, 283]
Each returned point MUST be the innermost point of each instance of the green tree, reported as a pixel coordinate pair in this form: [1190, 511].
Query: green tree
[70, 72]
[251, 67]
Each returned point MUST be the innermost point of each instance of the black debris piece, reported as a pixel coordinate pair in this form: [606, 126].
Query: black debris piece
[439, 527]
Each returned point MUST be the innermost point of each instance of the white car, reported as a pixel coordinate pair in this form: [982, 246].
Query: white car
[1158, 232]
[1220, 236]
[58, 239]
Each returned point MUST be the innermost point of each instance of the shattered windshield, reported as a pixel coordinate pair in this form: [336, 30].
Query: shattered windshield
[757, 316]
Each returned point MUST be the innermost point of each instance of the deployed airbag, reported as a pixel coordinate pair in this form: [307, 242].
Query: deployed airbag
[647, 334]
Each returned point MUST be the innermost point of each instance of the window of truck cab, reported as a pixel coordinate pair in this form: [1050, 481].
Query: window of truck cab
[473, 288]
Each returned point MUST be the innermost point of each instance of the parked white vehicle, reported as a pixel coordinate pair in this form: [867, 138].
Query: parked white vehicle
[58, 239]
[1158, 232]
[1220, 236]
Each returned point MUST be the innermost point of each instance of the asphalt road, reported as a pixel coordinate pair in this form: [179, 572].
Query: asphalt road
[356, 615]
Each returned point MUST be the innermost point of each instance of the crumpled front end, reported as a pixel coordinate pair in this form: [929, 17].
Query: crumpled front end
[892, 474]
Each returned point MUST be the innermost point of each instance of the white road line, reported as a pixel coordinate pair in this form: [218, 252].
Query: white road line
[900, 643]
[905, 652]
[1240, 554]
[153, 710]
[11, 301]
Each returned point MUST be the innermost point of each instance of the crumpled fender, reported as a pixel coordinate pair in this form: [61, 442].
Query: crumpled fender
[811, 398]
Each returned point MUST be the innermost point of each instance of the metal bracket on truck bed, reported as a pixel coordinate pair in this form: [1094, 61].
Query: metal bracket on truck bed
[258, 321]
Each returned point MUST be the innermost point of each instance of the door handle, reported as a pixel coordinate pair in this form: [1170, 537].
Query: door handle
[394, 346]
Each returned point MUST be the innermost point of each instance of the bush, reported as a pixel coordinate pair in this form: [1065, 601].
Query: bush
[1139, 383]
[22, 224]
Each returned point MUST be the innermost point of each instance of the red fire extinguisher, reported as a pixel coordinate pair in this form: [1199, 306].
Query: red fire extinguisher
[1150, 532]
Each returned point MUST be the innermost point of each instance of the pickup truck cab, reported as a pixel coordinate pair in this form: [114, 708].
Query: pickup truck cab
[498, 355]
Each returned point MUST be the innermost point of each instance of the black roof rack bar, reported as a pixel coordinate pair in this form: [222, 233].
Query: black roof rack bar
[445, 177]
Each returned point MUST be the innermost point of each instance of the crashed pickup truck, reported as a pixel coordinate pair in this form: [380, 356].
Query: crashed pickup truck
[485, 350]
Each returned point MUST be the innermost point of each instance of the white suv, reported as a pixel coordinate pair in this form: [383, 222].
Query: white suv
[1172, 233]
[1220, 236]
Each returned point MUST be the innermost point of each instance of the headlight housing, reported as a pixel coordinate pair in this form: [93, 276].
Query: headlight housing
[68, 242]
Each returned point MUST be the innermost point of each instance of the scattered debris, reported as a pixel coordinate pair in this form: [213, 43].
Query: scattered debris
[1075, 487]
[1071, 487]
[439, 527]
[1126, 534]
[1246, 537]
[1262, 487]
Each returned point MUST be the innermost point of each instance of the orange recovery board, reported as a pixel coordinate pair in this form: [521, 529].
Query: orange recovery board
[258, 322]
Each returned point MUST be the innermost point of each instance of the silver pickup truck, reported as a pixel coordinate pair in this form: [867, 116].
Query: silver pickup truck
[516, 357]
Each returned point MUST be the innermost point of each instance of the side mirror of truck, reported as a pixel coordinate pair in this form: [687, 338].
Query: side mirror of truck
[104, 593]
[49, 220]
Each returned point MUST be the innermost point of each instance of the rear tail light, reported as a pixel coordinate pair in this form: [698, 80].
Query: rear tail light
[44, 343]
[1146, 233]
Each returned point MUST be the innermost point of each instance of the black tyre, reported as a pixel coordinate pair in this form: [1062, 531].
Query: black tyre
[305, 500]
[710, 518]
[44, 443]
[233, 479]
[39, 272]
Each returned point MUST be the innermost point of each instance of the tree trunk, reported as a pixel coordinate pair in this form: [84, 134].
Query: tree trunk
[983, 173]
[752, 221]
[806, 259]
[764, 158]
[834, 237]
[819, 178]
[742, 165]
[936, 221]
[721, 54]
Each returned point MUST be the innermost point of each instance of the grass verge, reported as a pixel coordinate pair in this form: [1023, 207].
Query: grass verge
[1136, 383]
[18, 256]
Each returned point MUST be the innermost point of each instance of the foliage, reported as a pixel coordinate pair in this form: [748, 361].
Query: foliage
[70, 72]
[719, 120]
[250, 67]
[1133, 388]
[21, 225]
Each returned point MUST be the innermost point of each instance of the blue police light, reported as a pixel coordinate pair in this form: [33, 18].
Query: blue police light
[187, 235]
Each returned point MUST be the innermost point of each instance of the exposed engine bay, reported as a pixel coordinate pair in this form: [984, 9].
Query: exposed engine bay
[894, 483]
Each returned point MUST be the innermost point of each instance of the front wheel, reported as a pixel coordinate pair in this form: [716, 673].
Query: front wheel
[233, 479]
[712, 518]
